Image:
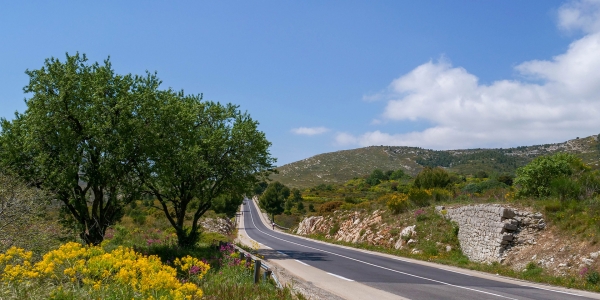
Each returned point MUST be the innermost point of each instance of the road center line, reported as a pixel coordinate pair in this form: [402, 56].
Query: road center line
[374, 265]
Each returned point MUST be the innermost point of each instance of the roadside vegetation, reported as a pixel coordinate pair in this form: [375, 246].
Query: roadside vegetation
[561, 186]
[104, 179]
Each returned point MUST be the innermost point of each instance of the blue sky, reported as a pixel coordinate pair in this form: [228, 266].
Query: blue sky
[323, 76]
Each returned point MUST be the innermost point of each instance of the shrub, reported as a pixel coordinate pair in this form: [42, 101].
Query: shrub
[439, 194]
[397, 203]
[535, 178]
[480, 187]
[99, 272]
[311, 207]
[333, 230]
[432, 177]
[419, 197]
[330, 206]
[593, 277]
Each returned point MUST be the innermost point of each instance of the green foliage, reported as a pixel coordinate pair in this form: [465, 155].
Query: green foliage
[506, 179]
[195, 149]
[535, 178]
[565, 188]
[80, 126]
[296, 195]
[432, 178]
[398, 174]
[273, 200]
[300, 207]
[419, 197]
[480, 187]
[376, 177]
[481, 174]
[311, 207]
[260, 187]
[334, 229]
[592, 277]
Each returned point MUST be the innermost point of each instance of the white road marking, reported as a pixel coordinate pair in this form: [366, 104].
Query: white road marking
[280, 252]
[338, 276]
[377, 266]
[302, 262]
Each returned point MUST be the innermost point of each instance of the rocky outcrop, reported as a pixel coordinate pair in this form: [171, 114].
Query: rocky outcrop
[352, 227]
[218, 225]
[487, 231]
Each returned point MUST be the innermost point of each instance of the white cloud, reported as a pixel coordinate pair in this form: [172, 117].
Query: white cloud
[562, 102]
[310, 130]
[581, 15]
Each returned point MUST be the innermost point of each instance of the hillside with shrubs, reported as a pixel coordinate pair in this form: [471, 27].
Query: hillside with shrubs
[341, 166]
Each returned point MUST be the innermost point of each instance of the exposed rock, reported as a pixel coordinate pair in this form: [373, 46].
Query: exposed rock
[218, 225]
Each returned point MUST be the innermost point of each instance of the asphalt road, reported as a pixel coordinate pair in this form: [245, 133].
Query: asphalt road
[395, 275]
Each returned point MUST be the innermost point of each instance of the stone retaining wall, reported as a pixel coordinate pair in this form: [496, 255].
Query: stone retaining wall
[486, 231]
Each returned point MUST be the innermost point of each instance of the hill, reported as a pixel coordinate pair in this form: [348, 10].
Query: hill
[340, 166]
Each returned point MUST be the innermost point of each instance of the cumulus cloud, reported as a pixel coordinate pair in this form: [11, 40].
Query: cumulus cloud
[557, 99]
[309, 130]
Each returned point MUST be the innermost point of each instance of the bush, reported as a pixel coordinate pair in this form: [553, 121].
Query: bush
[333, 230]
[330, 206]
[419, 197]
[480, 187]
[535, 178]
[397, 203]
[431, 178]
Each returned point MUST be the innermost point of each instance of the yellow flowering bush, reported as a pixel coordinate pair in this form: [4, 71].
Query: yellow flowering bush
[397, 203]
[146, 276]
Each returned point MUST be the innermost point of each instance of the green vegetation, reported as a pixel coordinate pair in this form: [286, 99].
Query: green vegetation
[274, 198]
[128, 170]
[97, 140]
[336, 168]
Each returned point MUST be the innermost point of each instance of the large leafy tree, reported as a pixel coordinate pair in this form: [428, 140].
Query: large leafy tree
[201, 155]
[77, 141]
[273, 198]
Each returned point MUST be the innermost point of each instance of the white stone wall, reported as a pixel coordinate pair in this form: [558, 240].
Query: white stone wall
[486, 231]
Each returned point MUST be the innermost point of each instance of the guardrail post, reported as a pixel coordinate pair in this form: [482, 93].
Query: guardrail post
[256, 270]
[241, 256]
[266, 275]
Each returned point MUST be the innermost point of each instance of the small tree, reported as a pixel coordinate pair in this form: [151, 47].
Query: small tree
[296, 195]
[272, 200]
[432, 177]
[300, 207]
[376, 177]
[398, 174]
[535, 178]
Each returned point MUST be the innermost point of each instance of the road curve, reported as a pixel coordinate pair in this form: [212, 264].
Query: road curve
[396, 275]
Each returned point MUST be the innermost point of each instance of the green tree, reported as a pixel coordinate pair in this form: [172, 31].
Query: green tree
[396, 175]
[76, 140]
[376, 177]
[300, 207]
[432, 177]
[272, 200]
[200, 152]
[296, 195]
[260, 187]
[535, 178]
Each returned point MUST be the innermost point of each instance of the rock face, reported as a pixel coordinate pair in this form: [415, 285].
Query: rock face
[486, 231]
[218, 225]
[352, 227]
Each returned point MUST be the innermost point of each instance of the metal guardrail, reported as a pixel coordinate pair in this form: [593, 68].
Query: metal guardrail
[258, 264]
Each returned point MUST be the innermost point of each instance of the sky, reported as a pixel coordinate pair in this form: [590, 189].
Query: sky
[323, 76]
